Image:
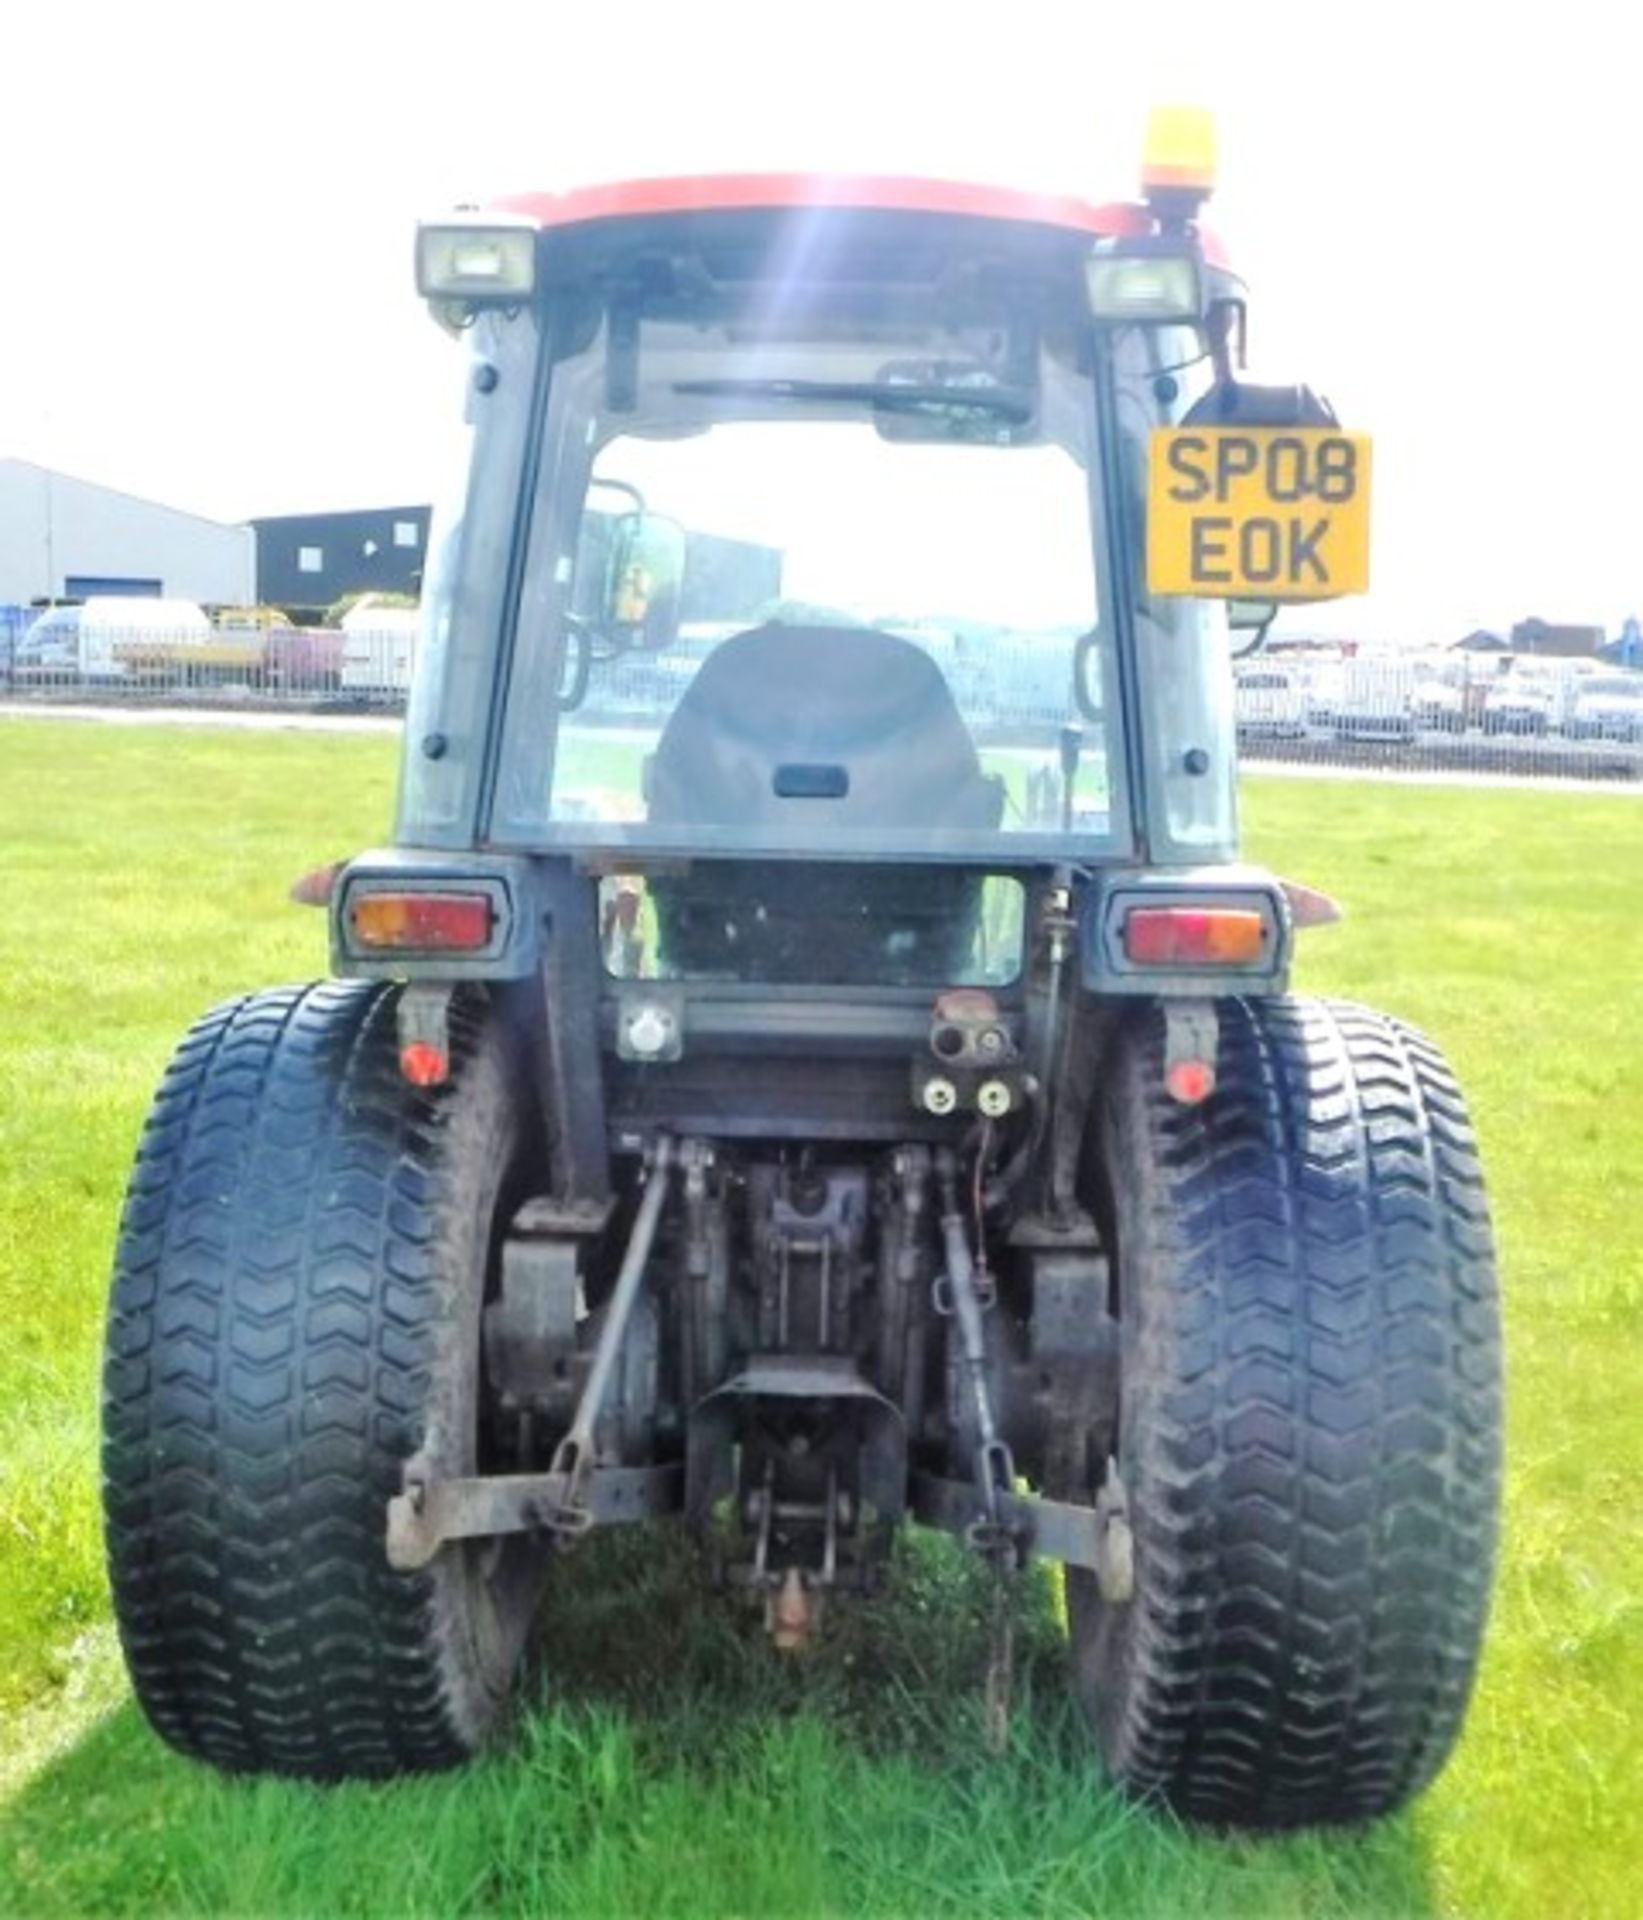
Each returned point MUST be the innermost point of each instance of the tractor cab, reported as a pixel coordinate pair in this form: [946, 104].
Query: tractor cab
[872, 453]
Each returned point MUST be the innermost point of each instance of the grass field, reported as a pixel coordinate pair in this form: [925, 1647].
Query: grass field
[674, 1766]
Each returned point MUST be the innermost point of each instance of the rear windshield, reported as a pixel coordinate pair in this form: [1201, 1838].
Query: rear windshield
[883, 636]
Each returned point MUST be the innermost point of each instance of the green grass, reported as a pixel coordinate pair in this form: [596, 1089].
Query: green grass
[669, 1763]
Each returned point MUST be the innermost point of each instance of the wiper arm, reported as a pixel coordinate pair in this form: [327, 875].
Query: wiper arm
[893, 395]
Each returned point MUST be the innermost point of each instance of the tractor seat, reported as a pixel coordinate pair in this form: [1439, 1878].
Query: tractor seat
[830, 727]
[783, 723]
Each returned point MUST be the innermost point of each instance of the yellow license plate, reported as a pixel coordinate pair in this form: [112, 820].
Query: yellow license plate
[1258, 513]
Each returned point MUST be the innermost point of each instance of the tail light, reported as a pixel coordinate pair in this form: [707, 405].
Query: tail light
[1193, 936]
[419, 922]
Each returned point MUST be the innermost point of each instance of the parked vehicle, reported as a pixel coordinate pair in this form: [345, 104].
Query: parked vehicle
[757, 1116]
[1609, 706]
[250, 619]
[378, 648]
[303, 659]
[1270, 700]
[50, 649]
[1324, 682]
[124, 638]
[1440, 706]
[114, 638]
[1520, 703]
[1374, 699]
[15, 622]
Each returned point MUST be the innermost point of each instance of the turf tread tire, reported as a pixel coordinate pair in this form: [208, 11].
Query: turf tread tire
[1310, 1420]
[294, 1314]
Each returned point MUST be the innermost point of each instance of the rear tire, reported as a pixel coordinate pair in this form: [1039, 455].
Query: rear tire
[1309, 1424]
[298, 1285]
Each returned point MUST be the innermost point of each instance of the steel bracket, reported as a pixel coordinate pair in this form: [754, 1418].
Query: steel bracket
[1055, 1529]
[430, 1513]
[422, 1016]
[1192, 1031]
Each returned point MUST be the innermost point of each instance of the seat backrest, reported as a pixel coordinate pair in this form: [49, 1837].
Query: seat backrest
[790, 722]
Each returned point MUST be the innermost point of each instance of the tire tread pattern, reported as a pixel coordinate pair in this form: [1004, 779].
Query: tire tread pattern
[1312, 1420]
[278, 1339]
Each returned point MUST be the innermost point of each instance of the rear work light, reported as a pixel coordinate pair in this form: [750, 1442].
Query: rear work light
[1132, 283]
[487, 261]
[1193, 936]
[419, 922]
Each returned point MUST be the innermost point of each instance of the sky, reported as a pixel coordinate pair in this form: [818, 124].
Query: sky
[206, 217]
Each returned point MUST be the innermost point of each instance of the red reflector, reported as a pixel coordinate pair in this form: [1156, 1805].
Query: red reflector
[424, 1064]
[1193, 936]
[1190, 1081]
[422, 922]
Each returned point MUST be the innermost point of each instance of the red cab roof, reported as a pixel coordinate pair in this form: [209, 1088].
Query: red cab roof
[894, 193]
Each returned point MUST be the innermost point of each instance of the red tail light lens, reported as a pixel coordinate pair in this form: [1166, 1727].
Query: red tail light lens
[420, 922]
[1193, 936]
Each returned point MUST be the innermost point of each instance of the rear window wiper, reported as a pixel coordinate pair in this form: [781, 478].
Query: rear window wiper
[892, 395]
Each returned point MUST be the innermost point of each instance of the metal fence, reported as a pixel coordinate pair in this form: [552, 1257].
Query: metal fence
[63, 657]
[1458, 713]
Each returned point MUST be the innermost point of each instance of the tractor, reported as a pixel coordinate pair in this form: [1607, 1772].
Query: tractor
[812, 1059]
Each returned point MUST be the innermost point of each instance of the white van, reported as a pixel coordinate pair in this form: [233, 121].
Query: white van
[111, 630]
[378, 646]
[1375, 698]
[1270, 700]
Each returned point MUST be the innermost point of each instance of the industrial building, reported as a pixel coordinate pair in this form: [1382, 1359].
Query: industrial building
[309, 561]
[62, 538]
